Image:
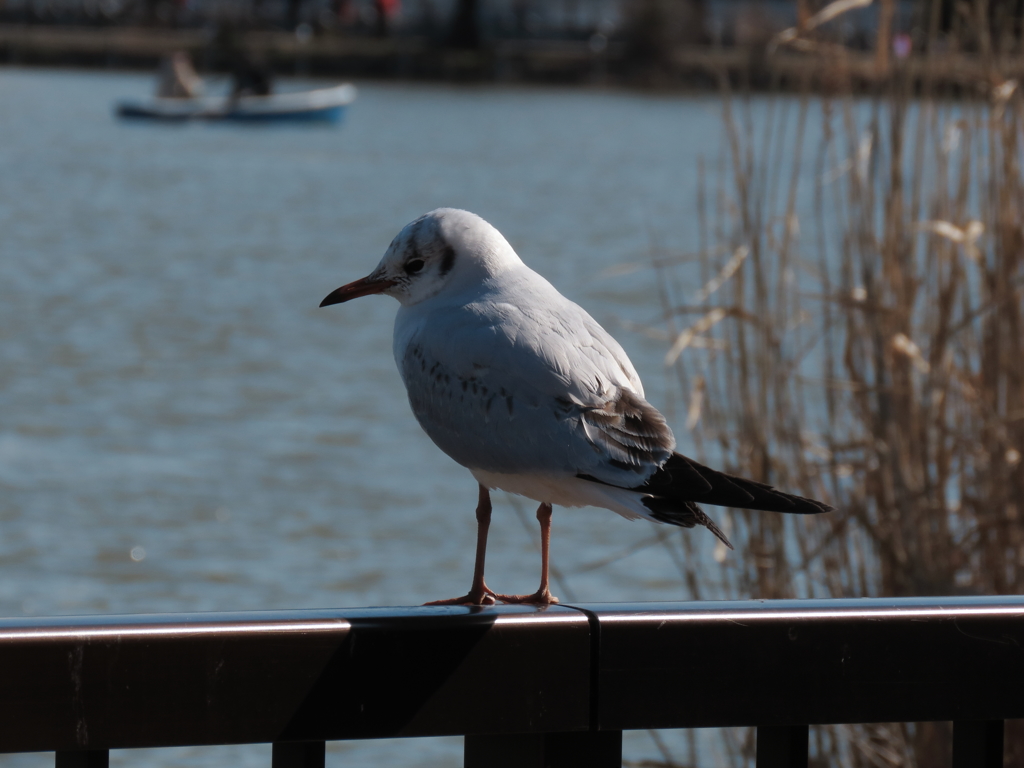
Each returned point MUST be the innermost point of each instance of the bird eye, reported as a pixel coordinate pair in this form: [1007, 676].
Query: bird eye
[414, 266]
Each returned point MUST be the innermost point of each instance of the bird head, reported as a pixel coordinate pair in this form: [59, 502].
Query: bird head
[438, 251]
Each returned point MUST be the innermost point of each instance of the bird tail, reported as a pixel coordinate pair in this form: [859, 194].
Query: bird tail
[683, 479]
[671, 494]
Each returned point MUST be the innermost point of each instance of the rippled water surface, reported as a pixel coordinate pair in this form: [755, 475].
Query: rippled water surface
[182, 429]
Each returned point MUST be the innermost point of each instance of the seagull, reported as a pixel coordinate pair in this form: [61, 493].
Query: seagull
[528, 392]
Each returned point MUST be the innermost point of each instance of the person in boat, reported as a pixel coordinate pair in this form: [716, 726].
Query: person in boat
[250, 77]
[178, 78]
[250, 74]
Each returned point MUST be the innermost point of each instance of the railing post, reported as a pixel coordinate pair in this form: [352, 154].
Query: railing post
[93, 758]
[978, 744]
[298, 754]
[782, 746]
[594, 749]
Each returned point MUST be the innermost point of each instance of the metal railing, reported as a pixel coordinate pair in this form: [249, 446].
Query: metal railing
[528, 688]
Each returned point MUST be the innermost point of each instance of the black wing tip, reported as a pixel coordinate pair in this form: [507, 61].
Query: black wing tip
[685, 515]
[727, 490]
[711, 526]
[805, 506]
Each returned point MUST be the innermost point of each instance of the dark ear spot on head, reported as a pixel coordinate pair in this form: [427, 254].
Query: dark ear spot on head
[447, 260]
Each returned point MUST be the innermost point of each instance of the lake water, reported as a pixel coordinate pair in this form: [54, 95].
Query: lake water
[182, 429]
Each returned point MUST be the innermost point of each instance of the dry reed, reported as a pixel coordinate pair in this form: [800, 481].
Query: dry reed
[859, 338]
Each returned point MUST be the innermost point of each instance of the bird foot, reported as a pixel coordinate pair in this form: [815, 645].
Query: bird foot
[540, 597]
[484, 596]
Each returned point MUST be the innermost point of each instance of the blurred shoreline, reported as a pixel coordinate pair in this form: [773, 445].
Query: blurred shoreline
[596, 61]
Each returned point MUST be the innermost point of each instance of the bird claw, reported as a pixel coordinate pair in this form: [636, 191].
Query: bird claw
[540, 597]
[486, 597]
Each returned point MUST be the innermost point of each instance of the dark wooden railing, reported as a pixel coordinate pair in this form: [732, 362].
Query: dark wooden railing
[529, 688]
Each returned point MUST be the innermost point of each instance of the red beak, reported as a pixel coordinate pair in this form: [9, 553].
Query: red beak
[362, 287]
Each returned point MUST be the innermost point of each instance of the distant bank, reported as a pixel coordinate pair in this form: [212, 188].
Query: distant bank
[573, 62]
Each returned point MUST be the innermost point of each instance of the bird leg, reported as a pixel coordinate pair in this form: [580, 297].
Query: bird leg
[543, 594]
[478, 593]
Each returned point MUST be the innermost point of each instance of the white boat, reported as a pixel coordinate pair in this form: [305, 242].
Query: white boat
[325, 104]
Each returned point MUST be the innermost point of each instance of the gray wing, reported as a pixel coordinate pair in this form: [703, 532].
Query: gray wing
[531, 387]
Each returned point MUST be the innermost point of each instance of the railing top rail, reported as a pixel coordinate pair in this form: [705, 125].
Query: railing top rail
[811, 609]
[295, 620]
